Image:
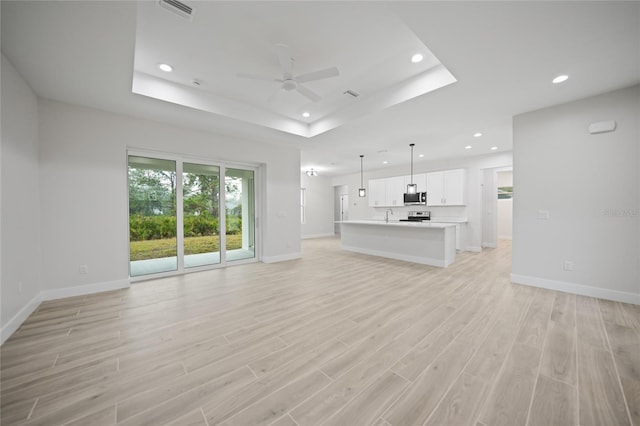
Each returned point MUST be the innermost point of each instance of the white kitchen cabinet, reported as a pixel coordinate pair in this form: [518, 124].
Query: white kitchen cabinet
[394, 191]
[435, 189]
[377, 191]
[443, 189]
[446, 188]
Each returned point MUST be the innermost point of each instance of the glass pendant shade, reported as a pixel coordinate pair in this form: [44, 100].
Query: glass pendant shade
[361, 191]
[412, 188]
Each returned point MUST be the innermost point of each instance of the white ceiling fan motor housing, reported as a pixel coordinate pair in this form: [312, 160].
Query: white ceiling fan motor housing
[289, 84]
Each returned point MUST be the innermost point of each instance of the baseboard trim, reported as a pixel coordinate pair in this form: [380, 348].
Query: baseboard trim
[474, 249]
[281, 258]
[53, 294]
[307, 237]
[489, 245]
[81, 290]
[583, 290]
[14, 323]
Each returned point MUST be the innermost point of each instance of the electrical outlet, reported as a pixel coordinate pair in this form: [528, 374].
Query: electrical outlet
[83, 269]
[567, 265]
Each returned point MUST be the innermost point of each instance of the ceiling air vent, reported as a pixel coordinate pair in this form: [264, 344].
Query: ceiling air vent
[352, 93]
[177, 7]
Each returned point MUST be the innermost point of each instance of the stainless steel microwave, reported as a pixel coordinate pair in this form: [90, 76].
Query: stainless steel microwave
[414, 199]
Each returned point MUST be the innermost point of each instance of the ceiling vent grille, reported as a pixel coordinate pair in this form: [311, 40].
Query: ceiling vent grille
[177, 7]
[352, 93]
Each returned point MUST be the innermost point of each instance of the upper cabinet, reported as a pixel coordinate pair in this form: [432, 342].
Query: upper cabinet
[376, 195]
[387, 192]
[394, 191]
[446, 188]
[443, 189]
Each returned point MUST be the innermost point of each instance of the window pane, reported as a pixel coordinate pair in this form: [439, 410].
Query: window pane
[240, 217]
[152, 216]
[201, 201]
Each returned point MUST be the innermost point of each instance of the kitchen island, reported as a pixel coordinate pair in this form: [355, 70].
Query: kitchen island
[420, 242]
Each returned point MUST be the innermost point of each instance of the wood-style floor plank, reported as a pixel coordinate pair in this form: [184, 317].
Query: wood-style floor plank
[509, 401]
[600, 395]
[554, 403]
[370, 403]
[423, 395]
[461, 404]
[559, 357]
[334, 338]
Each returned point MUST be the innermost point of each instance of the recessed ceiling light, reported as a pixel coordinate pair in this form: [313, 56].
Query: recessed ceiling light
[477, 135]
[306, 114]
[493, 148]
[560, 79]
[165, 67]
[385, 162]
[417, 58]
[468, 147]
[421, 155]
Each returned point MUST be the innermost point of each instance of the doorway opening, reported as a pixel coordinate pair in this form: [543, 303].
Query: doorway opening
[497, 205]
[340, 205]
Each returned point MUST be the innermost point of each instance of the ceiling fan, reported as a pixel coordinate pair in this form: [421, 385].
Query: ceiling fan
[291, 82]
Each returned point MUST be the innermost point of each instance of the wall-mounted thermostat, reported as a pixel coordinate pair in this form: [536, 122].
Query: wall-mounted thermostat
[602, 127]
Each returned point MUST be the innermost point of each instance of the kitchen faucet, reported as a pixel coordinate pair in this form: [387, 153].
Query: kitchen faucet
[386, 215]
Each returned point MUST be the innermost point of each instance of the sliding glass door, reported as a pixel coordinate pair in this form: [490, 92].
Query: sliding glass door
[152, 216]
[240, 217]
[177, 210]
[201, 214]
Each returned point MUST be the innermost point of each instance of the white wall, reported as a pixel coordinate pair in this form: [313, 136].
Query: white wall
[319, 206]
[590, 185]
[84, 188]
[20, 217]
[472, 235]
[505, 208]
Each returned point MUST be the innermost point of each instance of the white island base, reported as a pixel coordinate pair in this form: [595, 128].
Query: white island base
[420, 242]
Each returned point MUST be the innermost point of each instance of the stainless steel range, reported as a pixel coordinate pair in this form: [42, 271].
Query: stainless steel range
[417, 216]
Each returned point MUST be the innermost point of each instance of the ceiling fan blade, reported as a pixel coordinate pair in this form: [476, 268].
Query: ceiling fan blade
[257, 77]
[318, 75]
[314, 97]
[284, 57]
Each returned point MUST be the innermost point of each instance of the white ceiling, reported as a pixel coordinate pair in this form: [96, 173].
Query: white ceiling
[502, 54]
[213, 48]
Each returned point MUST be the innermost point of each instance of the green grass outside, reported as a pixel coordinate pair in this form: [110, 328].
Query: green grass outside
[154, 249]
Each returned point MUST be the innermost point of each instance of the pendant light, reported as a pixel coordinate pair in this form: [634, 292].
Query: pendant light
[361, 192]
[412, 188]
[312, 172]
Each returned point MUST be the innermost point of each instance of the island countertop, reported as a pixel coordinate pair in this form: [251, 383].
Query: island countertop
[428, 243]
[406, 224]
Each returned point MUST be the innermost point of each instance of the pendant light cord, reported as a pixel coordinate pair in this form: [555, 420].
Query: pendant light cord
[361, 176]
[411, 145]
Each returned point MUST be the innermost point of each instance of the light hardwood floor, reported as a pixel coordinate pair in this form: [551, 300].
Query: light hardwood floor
[336, 338]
